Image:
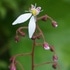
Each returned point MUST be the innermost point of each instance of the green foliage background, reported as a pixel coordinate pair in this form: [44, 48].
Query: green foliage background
[59, 37]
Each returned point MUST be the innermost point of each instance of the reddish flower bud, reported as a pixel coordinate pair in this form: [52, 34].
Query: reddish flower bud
[54, 24]
[44, 18]
[16, 38]
[54, 65]
[55, 58]
[12, 66]
[34, 37]
[51, 48]
[46, 46]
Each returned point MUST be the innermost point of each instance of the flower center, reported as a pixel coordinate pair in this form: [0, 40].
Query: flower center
[34, 12]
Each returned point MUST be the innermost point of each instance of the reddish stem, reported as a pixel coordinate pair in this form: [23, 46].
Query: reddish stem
[41, 32]
[34, 44]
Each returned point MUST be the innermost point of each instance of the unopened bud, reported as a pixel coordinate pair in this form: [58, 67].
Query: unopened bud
[51, 48]
[44, 18]
[16, 38]
[46, 46]
[12, 66]
[33, 38]
[54, 24]
[54, 65]
[55, 58]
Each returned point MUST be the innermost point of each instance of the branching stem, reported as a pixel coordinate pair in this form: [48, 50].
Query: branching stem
[44, 18]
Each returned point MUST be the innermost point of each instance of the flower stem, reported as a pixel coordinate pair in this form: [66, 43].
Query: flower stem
[36, 65]
[49, 17]
[23, 54]
[20, 28]
[41, 33]
[33, 47]
[46, 16]
[20, 65]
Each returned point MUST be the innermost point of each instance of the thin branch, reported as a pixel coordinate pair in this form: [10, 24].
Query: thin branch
[23, 54]
[36, 65]
[49, 18]
[20, 28]
[41, 33]
[39, 44]
[40, 18]
[45, 17]
[20, 65]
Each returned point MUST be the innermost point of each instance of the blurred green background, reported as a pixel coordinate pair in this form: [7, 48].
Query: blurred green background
[59, 37]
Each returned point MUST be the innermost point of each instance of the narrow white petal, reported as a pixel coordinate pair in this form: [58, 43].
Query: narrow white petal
[22, 18]
[32, 26]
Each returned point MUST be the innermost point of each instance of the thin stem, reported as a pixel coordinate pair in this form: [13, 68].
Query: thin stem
[46, 16]
[23, 54]
[49, 17]
[58, 67]
[39, 18]
[41, 33]
[33, 55]
[20, 28]
[39, 44]
[20, 65]
[36, 65]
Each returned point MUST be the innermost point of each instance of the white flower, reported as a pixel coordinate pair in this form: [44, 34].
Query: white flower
[33, 12]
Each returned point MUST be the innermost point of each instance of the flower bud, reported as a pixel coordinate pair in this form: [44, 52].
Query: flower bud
[12, 66]
[55, 58]
[33, 37]
[51, 48]
[54, 65]
[44, 18]
[16, 38]
[54, 24]
[46, 46]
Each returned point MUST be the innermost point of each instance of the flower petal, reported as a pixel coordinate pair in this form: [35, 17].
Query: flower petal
[22, 18]
[32, 26]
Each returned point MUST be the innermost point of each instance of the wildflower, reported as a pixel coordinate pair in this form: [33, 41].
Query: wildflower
[33, 12]
[46, 46]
